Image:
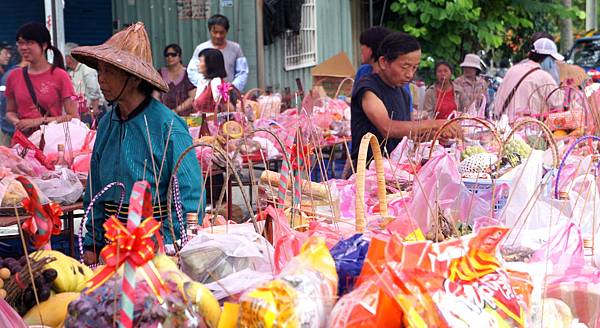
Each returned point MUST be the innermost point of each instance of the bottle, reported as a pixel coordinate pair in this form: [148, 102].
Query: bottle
[61, 161]
[192, 224]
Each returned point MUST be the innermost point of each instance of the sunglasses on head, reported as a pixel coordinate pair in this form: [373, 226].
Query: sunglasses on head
[171, 54]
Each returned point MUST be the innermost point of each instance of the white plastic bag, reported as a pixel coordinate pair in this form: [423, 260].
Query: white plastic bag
[64, 187]
[238, 282]
[585, 203]
[526, 179]
[72, 132]
[211, 257]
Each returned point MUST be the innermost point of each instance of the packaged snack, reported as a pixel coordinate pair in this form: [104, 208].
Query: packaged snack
[302, 296]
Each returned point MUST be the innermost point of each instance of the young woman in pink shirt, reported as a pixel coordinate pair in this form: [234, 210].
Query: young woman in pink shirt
[29, 105]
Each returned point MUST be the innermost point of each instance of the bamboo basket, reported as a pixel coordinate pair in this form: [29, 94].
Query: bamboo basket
[547, 134]
[479, 185]
[479, 121]
[369, 140]
[337, 92]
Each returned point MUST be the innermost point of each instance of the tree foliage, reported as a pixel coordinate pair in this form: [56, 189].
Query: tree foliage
[448, 29]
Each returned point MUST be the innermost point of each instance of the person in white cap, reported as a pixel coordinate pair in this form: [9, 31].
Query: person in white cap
[527, 89]
[474, 86]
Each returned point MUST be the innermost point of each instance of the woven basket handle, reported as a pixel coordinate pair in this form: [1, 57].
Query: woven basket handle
[250, 92]
[564, 160]
[483, 122]
[337, 92]
[547, 133]
[369, 140]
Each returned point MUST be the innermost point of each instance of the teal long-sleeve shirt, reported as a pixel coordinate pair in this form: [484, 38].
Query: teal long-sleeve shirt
[121, 152]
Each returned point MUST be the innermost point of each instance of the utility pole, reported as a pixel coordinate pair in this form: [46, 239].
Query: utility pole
[566, 29]
[591, 15]
[260, 46]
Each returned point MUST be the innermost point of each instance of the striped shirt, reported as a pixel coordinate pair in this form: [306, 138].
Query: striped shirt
[122, 153]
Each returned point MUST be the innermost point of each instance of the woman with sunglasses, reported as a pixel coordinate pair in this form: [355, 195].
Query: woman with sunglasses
[40, 92]
[180, 96]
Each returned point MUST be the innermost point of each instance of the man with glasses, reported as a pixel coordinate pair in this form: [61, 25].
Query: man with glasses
[236, 64]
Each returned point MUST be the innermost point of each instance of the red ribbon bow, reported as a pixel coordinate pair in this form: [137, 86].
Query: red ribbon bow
[300, 156]
[44, 220]
[135, 246]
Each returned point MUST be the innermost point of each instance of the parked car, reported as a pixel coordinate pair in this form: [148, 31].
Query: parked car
[586, 53]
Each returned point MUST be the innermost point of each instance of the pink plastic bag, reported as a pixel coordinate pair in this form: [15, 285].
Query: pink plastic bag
[564, 249]
[81, 163]
[580, 289]
[9, 318]
[439, 182]
[287, 241]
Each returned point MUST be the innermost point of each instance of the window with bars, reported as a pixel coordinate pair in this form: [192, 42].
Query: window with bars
[301, 49]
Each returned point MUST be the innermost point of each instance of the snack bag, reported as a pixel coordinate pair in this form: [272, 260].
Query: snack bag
[459, 282]
[302, 295]
[369, 305]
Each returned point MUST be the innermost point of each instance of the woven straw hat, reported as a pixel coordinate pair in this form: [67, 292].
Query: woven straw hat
[129, 50]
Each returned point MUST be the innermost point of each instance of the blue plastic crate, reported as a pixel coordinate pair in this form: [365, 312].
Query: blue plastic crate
[478, 186]
[10, 246]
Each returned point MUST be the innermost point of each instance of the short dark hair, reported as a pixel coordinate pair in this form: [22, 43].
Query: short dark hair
[372, 38]
[215, 64]
[173, 46]
[396, 44]
[4, 45]
[540, 35]
[443, 63]
[538, 58]
[38, 33]
[218, 20]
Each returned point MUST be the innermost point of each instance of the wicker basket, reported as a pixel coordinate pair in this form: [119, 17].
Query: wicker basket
[361, 167]
[477, 186]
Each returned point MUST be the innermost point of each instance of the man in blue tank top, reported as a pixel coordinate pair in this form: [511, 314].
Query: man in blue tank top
[380, 104]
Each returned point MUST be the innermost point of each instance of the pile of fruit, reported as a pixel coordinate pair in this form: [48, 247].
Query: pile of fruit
[21, 287]
[476, 162]
[515, 152]
[470, 151]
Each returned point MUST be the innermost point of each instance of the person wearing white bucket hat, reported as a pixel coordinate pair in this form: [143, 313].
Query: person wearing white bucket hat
[474, 87]
[527, 88]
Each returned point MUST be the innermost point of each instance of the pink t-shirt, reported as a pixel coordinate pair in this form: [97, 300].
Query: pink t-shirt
[51, 88]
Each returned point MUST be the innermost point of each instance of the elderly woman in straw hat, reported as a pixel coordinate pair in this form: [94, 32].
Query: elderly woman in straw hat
[474, 86]
[140, 139]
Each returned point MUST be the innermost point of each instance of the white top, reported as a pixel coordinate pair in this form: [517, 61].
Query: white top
[214, 84]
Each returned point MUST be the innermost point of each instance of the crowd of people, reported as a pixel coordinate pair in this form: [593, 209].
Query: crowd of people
[109, 86]
[44, 91]
[386, 100]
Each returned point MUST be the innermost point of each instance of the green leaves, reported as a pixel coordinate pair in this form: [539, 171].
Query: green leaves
[448, 29]
[412, 7]
[454, 38]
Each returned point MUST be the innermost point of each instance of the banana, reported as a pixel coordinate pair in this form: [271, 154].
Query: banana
[72, 275]
[52, 312]
[200, 296]
[205, 301]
